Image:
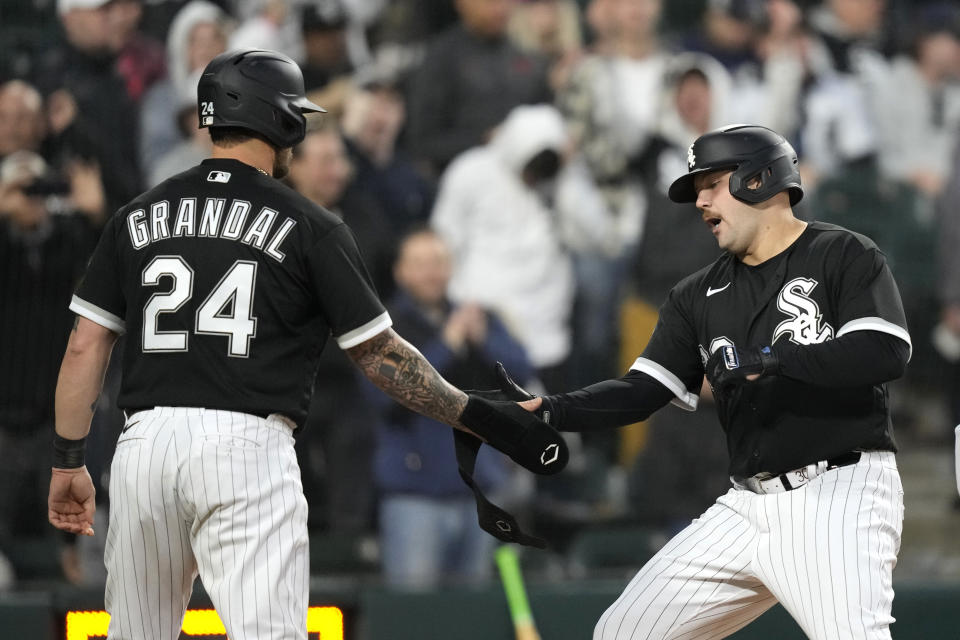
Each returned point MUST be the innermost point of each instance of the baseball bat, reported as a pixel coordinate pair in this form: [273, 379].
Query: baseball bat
[956, 455]
[523, 625]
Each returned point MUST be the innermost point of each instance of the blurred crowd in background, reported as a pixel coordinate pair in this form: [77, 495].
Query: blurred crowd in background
[503, 165]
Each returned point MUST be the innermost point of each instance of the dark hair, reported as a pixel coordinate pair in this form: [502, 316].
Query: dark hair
[415, 229]
[232, 136]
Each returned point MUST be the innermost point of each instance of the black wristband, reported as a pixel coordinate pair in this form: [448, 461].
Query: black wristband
[769, 362]
[68, 454]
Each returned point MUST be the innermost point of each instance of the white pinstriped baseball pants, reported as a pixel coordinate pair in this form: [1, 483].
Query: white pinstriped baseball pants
[826, 551]
[211, 492]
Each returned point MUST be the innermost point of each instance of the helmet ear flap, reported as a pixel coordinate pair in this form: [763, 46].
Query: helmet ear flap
[754, 152]
[776, 172]
[289, 126]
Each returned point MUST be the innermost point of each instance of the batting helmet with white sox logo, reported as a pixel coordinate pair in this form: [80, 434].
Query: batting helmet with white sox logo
[752, 152]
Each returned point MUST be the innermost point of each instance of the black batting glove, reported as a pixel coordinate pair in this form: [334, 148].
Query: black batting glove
[729, 367]
[529, 440]
[508, 427]
[510, 390]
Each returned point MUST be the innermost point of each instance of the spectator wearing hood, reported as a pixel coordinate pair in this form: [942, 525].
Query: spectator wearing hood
[194, 144]
[494, 210]
[696, 98]
[197, 34]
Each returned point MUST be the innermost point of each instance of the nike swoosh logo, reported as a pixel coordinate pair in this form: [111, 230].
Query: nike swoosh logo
[711, 291]
[127, 428]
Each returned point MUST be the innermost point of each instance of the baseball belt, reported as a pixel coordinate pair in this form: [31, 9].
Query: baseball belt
[795, 478]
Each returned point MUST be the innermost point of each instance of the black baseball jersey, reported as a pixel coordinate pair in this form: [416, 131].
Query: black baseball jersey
[828, 283]
[227, 284]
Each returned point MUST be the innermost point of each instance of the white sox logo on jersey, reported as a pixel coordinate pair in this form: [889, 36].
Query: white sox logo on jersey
[806, 325]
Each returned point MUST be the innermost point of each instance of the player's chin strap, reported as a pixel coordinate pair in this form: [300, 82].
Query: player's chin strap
[492, 519]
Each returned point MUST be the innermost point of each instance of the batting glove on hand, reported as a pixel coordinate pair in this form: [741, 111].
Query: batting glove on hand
[510, 390]
[531, 442]
[508, 427]
[729, 367]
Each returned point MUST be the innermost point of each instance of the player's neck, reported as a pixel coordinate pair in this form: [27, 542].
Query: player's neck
[774, 237]
[253, 152]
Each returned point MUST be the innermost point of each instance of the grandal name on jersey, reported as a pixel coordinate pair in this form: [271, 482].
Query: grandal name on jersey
[212, 218]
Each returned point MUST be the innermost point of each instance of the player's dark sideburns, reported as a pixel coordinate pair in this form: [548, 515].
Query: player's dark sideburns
[281, 163]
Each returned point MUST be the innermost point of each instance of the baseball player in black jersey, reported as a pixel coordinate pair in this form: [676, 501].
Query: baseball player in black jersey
[227, 284]
[797, 326]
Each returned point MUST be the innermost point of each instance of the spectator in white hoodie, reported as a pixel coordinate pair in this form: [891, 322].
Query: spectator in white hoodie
[197, 34]
[494, 209]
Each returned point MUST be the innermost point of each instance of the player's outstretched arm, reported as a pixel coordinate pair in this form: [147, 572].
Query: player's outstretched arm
[603, 405]
[71, 505]
[399, 369]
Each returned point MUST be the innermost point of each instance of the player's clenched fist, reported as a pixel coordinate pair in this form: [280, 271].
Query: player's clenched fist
[729, 366]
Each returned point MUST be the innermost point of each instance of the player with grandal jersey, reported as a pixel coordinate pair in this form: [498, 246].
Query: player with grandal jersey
[228, 284]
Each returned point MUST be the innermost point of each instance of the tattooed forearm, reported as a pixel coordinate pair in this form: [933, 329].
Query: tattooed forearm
[394, 365]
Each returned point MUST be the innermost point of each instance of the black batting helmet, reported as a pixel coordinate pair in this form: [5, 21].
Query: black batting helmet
[261, 91]
[752, 152]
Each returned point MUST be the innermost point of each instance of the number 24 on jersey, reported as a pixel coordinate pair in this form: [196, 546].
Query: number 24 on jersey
[227, 310]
